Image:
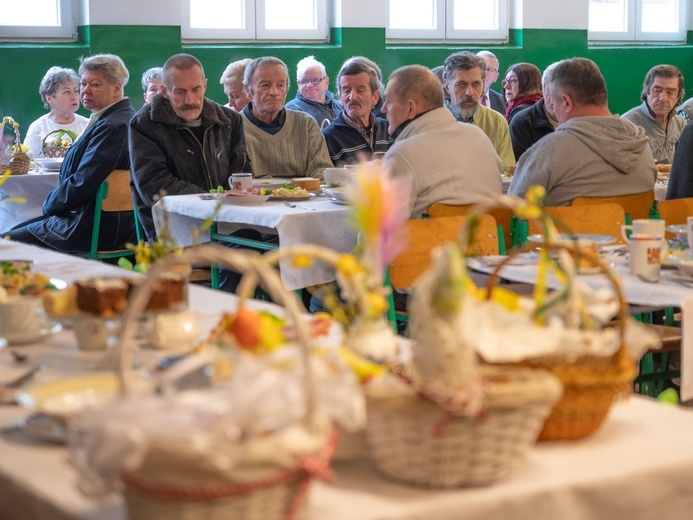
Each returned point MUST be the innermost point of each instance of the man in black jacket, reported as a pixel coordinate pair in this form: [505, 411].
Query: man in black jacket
[182, 142]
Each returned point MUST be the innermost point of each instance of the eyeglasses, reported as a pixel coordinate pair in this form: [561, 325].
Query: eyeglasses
[491, 69]
[313, 81]
[510, 81]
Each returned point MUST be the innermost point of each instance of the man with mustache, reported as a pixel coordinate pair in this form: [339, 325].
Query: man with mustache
[463, 80]
[356, 134]
[661, 94]
[182, 142]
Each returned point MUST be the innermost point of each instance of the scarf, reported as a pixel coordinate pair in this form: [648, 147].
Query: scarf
[532, 98]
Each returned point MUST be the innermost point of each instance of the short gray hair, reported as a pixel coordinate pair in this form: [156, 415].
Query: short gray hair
[259, 62]
[54, 78]
[418, 83]
[463, 60]
[110, 65]
[180, 61]
[354, 66]
[309, 62]
[150, 75]
[547, 75]
[581, 79]
[234, 71]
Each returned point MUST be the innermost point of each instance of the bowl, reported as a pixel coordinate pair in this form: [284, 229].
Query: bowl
[247, 200]
[336, 177]
[684, 263]
[340, 194]
[21, 316]
[51, 164]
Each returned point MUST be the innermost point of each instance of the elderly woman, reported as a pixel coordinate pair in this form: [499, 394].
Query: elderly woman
[151, 83]
[68, 212]
[232, 79]
[521, 88]
[59, 91]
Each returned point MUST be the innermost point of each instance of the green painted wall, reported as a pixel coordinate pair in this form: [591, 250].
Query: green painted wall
[141, 47]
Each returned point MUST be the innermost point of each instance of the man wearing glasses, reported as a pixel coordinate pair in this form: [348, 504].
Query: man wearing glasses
[491, 98]
[313, 96]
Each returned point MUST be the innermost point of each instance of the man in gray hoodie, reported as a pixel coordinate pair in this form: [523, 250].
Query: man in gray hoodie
[592, 153]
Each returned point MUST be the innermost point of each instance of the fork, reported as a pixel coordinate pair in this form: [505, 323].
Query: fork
[287, 203]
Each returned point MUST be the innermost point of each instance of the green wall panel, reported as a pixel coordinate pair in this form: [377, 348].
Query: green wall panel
[141, 47]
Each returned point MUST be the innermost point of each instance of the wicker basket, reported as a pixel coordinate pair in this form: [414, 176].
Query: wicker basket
[19, 164]
[414, 441]
[591, 383]
[52, 151]
[281, 493]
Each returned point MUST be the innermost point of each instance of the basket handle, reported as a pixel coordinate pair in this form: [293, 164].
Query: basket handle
[65, 133]
[239, 260]
[586, 254]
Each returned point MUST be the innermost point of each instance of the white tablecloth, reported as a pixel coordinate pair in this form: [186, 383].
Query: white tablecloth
[34, 187]
[637, 466]
[326, 226]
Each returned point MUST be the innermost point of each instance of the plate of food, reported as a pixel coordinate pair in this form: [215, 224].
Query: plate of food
[49, 164]
[249, 197]
[289, 192]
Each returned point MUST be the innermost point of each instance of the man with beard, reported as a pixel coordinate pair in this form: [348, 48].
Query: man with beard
[441, 159]
[182, 142]
[661, 94]
[356, 134]
[463, 75]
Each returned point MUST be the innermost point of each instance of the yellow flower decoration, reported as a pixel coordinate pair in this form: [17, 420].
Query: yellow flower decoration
[377, 304]
[302, 261]
[348, 265]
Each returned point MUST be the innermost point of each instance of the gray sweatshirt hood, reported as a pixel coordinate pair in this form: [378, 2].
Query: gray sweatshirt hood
[617, 141]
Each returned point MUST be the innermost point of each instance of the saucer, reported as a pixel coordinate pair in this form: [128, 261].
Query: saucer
[48, 329]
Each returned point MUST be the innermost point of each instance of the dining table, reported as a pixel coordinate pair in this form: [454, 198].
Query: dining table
[33, 187]
[318, 220]
[636, 466]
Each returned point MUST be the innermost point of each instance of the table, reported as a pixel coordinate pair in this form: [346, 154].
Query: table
[34, 187]
[327, 226]
[637, 466]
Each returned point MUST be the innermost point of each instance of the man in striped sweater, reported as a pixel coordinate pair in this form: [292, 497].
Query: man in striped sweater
[281, 142]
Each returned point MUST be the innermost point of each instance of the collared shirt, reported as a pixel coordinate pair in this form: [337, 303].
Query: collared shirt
[94, 117]
[271, 128]
[368, 133]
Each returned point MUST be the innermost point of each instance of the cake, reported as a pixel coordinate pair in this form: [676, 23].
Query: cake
[168, 294]
[307, 183]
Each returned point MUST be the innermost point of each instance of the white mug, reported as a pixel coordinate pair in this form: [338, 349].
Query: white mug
[647, 226]
[241, 181]
[689, 232]
[646, 256]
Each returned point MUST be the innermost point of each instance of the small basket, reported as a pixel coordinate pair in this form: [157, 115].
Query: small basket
[591, 383]
[415, 441]
[279, 495]
[55, 152]
[19, 164]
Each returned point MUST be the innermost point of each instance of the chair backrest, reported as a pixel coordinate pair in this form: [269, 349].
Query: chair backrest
[676, 211]
[634, 206]
[599, 219]
[118, 196]
[426, 234]
[503, 216]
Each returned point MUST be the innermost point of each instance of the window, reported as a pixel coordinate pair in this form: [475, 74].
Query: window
[269, 20]
[447, 20]
[35, 19]
[637, 20]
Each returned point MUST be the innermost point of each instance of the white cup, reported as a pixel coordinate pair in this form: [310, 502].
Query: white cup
[689, 232]
[647, 226]
[21, 316]
[336, 177]
[241, 181]
[645, 256]
[91, 333]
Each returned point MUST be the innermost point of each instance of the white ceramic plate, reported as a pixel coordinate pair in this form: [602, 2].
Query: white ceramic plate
[340, 194]
[290, 199]
[33, 336]
[269, 184]
[249, 200]
[679, 230]
[598, 239]
[66, 397]
[340, 202]
[50, 164]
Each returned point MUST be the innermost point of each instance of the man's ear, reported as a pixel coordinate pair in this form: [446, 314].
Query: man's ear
[413, 109]
[569, 103]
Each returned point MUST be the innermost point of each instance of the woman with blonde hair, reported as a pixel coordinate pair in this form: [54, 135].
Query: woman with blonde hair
[232, 79]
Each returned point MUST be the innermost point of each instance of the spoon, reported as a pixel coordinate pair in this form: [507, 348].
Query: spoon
[287, 203]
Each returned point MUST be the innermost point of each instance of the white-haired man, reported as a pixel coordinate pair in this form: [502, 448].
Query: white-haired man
[491, 98]
[313, 96]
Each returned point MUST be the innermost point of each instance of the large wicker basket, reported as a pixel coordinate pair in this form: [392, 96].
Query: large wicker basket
[591, 383]
[415, 441]
[281, 493]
